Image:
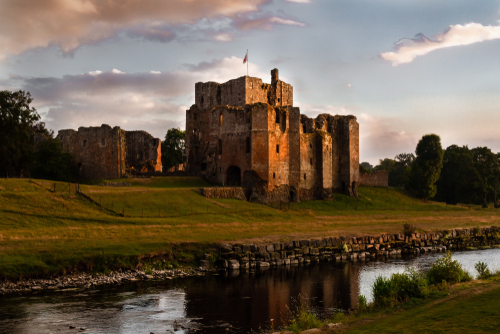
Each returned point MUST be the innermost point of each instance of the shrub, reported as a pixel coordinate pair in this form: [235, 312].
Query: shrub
[408, 229]
[399, 287]
[362, 303]
[301, 317]
[448, 270]
[482, 270]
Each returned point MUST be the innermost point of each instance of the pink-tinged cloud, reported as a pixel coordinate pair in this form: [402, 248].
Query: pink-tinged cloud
[409, 49]
[28, 24]
[299, 1]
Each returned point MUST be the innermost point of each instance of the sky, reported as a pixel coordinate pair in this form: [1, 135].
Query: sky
[403, 68]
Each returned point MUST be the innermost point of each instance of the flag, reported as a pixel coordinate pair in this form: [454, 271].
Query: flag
[246, 58]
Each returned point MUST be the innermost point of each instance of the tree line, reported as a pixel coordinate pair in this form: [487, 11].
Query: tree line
[29, 149]
[455, 175]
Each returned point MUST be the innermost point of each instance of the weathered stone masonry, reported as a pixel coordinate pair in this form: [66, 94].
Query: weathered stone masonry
[108, 153]
[247, 133]
[243, 256]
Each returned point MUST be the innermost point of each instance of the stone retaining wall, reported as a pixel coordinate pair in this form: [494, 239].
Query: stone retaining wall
[379, 178]
[244, 256]
[229, 192]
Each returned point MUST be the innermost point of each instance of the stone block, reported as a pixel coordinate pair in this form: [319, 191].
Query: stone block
[275, 255]
[278, 247]
[304, 243]
[270, 248]
[262, 249]
[233, 265]
[263, 264]
[246, 248]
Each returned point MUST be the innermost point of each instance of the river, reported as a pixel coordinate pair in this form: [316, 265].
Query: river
[229, 302]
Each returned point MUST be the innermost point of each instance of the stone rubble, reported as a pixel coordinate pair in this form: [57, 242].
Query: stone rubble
[89, 280]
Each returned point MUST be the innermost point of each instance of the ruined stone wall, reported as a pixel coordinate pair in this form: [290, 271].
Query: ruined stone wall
[279, 155]
[143, 148]
[379, 178]
[257, 130]
[224, 193]
[106, 153]
[99, 152]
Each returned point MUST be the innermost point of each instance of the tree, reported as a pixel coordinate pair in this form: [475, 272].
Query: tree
[385, 164]
[398, 176]
[51, 163]
[173, 149]
[18, 124]
[367, 166]
[426, 168]
[459, 178]
[486, 166]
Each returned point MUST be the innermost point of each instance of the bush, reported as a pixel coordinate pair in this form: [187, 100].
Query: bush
[399, 287]
[482, 270]
[408, 229]
[301, 317]
[448, 270]
[362, 303]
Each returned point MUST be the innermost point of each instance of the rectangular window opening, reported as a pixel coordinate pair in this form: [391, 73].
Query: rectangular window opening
[304, 176]
[277, 149]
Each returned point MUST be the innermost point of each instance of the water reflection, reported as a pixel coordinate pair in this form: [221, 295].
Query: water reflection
[234, 302]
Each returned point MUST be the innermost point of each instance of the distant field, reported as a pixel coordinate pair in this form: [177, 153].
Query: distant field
[46, 231]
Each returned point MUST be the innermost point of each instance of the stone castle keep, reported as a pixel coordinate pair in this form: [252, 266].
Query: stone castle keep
[110, 153]
[248, 133]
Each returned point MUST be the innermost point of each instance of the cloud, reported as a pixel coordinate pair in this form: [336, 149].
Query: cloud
[409, 49]
[153, 101]
[265, 22]
[299, 1]
[28, 24]
[379, 137]
[224, 37]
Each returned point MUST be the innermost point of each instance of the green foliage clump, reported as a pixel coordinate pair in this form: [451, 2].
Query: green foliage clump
[426, 168]
[173, 148]
[362, 303]
[51, 163]
[301, 317]
[18, 125]
[482, 270]
[399, 287]
[445, 269]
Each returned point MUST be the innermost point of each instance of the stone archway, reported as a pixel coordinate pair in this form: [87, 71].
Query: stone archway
[233, 176]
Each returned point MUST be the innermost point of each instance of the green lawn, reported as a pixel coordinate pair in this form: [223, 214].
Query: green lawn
[471, 308]
[46, 231]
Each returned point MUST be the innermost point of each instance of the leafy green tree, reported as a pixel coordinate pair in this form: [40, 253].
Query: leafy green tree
[173, 148]
[497, 184]
[51, 163]
[486, 165]
[398, 176]
[367, 166]
[18, 124]
[426, 168]
[385, 164]
[459, 178]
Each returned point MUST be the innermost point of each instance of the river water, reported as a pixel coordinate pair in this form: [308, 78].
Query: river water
[232, 302]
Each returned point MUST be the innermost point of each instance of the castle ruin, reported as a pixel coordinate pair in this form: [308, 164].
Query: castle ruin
[248, 133]
[110, 153]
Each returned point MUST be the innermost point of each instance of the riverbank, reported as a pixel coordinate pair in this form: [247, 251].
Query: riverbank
[47, 233]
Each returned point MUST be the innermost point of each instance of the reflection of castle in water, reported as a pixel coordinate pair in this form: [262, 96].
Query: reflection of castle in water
[264, 295]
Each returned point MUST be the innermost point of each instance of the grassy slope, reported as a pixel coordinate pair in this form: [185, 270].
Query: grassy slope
[471, 308]
[43, 231]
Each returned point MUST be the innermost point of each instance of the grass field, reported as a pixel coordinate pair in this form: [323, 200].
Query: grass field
[470, 308]
[42, 231]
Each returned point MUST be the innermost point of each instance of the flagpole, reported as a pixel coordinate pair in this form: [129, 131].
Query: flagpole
[247, 62]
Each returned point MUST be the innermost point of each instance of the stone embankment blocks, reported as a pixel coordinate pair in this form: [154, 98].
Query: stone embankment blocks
[359, 248]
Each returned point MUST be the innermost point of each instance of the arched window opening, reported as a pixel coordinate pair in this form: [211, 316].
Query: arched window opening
[221, 119]
[304, 128]
[202, 100]
[220, 146]
[274, 175]
[277, 149]
[310, 145]
[311, 161]
[248, 147]
[277, 116]
[304, 176]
